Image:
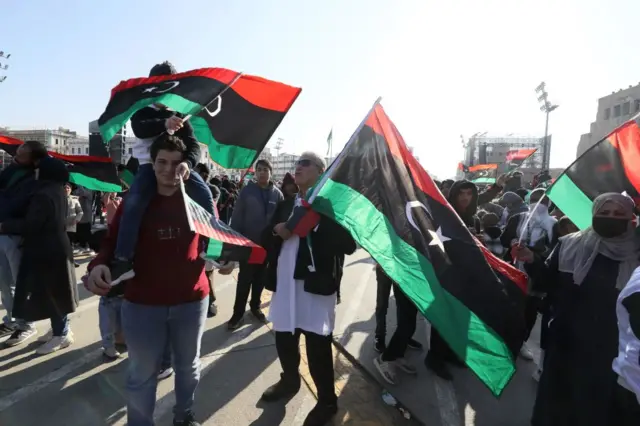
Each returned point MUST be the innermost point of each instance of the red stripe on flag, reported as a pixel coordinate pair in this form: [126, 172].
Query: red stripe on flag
[10, 141]
[68, 158]
[381, 124]
[626, 140]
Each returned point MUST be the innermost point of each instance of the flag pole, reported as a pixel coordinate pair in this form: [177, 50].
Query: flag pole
[338, 159]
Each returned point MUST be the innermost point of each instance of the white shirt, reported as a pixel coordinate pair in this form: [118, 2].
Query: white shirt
[291, 306]
[627, 364]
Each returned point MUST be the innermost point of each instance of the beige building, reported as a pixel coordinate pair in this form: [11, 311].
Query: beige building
[54, 139]
[613, 110]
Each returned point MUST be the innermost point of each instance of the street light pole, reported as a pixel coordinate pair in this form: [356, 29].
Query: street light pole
[546, 107]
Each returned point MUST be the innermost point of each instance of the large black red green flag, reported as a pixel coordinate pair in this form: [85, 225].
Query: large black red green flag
[482, 173]
[516, 157]
[94, 173]
[232, 113]
[378, 191]
[611, 165]
[225, 244]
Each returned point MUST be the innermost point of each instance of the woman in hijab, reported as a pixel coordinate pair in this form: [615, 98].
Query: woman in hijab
[46, 285]
[583, 277]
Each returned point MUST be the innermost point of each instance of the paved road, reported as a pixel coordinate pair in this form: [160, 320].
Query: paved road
[75, 388]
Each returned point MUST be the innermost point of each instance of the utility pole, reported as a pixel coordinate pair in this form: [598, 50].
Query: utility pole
[546, 107]
[3, 65]
[279, 143]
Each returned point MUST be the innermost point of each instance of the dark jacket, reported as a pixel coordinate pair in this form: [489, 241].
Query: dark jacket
[329, 242]
[16, 187]
[468, 216]
[149, 123]
[253, 210]
[46, 284]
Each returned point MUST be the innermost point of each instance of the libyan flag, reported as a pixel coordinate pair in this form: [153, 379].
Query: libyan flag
[516, 157]
[94, 173]
[232, 113]
[611, 165]
[378, 191]
[225, 244]
[482, 173]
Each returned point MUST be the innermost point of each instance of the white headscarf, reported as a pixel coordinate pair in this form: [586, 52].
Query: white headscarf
[579, 250]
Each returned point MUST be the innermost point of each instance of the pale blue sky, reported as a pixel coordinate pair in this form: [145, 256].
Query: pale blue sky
[442, 68]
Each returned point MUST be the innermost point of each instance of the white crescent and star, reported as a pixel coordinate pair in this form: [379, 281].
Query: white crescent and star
[154, 89]
[437, 239]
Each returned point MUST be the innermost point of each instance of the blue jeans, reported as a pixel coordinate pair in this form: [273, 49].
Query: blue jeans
[109, 320]
[147, 330]
[10, 255]
[60, 326]
[166, 357]
[142, 190]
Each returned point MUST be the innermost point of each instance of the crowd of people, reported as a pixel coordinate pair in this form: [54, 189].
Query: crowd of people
[156, 290]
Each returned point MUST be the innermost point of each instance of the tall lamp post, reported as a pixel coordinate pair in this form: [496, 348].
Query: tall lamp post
[546, 107]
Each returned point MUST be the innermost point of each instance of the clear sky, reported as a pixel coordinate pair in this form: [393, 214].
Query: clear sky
[443, 68]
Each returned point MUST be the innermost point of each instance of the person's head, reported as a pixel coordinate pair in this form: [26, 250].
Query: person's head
[164, 68]
[539, 195]
[446, 187]
[510, 200]
[612, 215]
[566, 227]
[30, 153]
[263, 172]
[289, 187]
[490, 220]
[203, 170]
[167, 152]
[68, 188]
[52, 170]
[465, 196]
[309, 167]
[215, 181]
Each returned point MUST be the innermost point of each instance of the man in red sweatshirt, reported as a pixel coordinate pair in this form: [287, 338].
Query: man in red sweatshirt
[166, 301]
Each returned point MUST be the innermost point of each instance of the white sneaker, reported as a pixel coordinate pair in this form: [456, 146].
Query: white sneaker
[46, 336]
[163, 374]
[111, 353]
[525, 353]
[55, 344]
[88, 251]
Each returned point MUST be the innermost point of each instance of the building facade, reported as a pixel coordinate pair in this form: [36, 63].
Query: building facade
[78, 146]
[56, 140]
[613, 110]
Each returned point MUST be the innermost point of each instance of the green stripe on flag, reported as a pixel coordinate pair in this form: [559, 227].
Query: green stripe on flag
[227, 156]
[171, 100]
[127, 177]
[571, 201]
[484, 180]
[469, 337]
[214, 249]
[93, 184]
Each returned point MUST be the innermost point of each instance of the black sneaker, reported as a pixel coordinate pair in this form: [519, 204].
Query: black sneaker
[235, 322]
[18, 337]
[259, 315]
[188, 421]
[121, 270]
[281, 390]
[5, 330]
[379, 344]
[414, 344]
[438, 366]
[321, 414]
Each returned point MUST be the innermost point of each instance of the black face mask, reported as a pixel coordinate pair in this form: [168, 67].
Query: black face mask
[610, 227]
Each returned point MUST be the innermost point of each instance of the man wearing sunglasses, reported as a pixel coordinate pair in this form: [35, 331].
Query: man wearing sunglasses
[252, 212]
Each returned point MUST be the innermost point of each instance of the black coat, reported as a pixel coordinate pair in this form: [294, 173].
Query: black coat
[46, 284]
[330, 242]
[577, 384]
